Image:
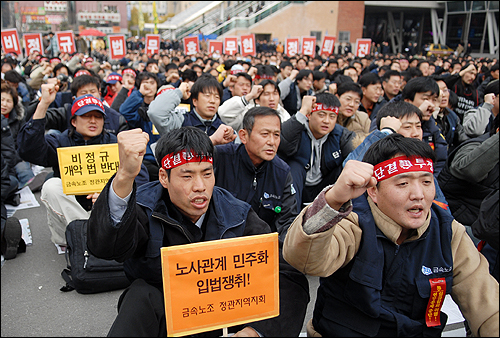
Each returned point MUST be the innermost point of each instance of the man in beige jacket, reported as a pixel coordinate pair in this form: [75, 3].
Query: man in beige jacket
[386, 253]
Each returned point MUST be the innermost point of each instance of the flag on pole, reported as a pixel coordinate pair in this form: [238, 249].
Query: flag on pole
[141, 18]
[155, 15]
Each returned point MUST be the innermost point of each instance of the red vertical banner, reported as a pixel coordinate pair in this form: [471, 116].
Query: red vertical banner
[248, 45]
[66, 42]
[230, 45]
[291, 46]
[215, 47]
[363, 47]
[309, 45]
[10, 42]
[33, 42]
[327, 46]
[152, 44]
[117, 47]
[191, 45]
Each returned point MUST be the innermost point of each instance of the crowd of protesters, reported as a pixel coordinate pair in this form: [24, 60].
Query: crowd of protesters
[319, 112]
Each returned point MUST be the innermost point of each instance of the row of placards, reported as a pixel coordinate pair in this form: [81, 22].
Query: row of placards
[245, 44]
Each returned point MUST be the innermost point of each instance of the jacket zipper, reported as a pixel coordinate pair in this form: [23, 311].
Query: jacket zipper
[86, 255]
[174, 224]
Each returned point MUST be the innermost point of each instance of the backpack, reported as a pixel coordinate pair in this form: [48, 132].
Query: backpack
[86, 273]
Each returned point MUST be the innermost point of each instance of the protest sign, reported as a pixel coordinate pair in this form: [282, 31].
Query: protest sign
[230, 45]
[291, 46]
[10, 42]
[363, 47]
[191, 45]
[216, 284]
[117, 46]
[152, 44]
[66, 42]
[309, 45]
[33, 42]
[87, 169]
[328, 45]
[248, 45]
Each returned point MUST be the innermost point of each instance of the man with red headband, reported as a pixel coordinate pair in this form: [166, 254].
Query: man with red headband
[184, 206]
[387, 255]
[86, 128]
[314, 146]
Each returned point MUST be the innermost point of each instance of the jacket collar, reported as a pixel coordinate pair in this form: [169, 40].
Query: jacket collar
[390, 228]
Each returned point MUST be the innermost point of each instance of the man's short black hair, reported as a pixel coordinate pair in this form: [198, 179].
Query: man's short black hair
[350, 87]
[249, 119]
[387, 75]
[152, 61]
[492, 87]
[189, 75]
[171, 66]
[369, 79]
[184, 138]
[205, 84]
[420, 84]
[245, 75]
[398, 109]
[396, 144]
[284, 64]
[302, 74]
[59, 66]
[317, 75]
[144, 76]
[13, 76]
[266, 82]
[83, 80]
[327, 99]
[196, 66]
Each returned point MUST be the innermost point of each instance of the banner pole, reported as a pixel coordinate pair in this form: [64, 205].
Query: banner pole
[224, 332]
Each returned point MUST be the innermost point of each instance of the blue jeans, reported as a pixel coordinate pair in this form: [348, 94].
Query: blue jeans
[23, 173]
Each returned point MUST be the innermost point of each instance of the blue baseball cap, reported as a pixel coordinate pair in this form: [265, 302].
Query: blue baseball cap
[86, 103]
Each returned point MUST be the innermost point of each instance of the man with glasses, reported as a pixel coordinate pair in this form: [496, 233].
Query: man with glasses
[350, 117]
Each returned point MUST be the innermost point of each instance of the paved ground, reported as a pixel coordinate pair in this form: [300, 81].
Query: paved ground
[33, 306]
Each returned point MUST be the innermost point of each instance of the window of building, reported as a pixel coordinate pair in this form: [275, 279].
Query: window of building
[344, 36]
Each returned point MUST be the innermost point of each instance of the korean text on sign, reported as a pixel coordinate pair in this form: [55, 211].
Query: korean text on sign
[215, 284]
[87, 169]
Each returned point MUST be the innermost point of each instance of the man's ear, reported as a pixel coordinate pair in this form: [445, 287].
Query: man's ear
[163, 178]
[243, 134]
[373, 193]
[73, 121]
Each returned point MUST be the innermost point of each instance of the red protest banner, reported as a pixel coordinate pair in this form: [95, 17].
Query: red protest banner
[215, 47]
[291, 46]
[10, 42]
[328, 45]
[33, 42]
[230, 45]
[152, 43]
[191, 45]
[363, 47]
[309, 45]
[117, 46]
[66, 42]
[248, 45]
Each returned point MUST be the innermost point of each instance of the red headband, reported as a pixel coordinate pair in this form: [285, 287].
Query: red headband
[266, 77]
[400, 165]
[172, 160]
[129, 71]
[320, 106]
[82, 72]
[114, 77]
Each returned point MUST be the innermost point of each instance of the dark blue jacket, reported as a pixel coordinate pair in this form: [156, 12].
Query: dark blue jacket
[384, 290]
[135, 112]
[268, 188]
[290, 101]
[190, 119]
[432, 135]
